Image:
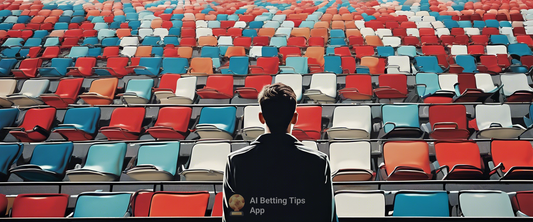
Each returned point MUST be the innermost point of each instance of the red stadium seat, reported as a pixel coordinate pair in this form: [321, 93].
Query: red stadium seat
[36, 125]
[40, 205]
[358, 87]
[515, 163]
[179, 204]
[27, 68]
[217, 87]
[65, 94]
[83, 67]
[309, 124]
[523, 201]
[392, 86]
[172, 123]
[217, 206]
[253, 85]
[448, 122]
[125, 124]
[461, 160]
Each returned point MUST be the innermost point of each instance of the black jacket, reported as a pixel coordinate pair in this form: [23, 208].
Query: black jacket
[279, 180]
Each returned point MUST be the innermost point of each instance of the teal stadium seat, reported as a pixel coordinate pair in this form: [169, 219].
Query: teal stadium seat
[48, 163]
[103, 163]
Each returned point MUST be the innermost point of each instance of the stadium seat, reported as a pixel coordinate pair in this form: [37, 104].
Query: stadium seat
[153, 166]
[521, 201]
[351, 203]
[30, 92]
[102, 204]
[10, 154]
[406, 160]
[27, 68]
[323, 88]
[103, 163]
[125, 124]
[448, 122]
[58, 68]
[252, 126]
[65, 94]
[485, 203]
[309, 124]
[7, 88]
[516, 88]
[179, 204]
[207, 162]
[421, 204]
[102, 92]
[172, 123]
[184, 92]
[347, 126]
[138, 91]
[392, 86]
[294, 81]
[467, 166]
[506, 164]
[216, 122]
[351, 161]
[35, 126]
[48, 163]
[75, 128]
[358, 87]
[83, 67]
[494, 121]
[217, 206]
[39, 205]
[217, 87]
[253, 85]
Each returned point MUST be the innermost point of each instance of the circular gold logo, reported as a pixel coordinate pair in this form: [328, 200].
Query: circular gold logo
[236, 202]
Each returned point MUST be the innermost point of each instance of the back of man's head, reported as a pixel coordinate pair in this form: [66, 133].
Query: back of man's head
[278, 103]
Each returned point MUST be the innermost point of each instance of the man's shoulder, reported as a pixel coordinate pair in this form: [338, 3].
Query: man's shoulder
[300, 149]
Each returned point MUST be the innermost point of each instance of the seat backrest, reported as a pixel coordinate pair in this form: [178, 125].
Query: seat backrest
[105, 87]
[38, 117]
[209, 156]
[523, 201]
[102, 204]
[69, 88]
[141, 87]
[421, 204]
[448, 81]
[106, 158]
[202, 65]
[186, 87]
[484, 82]
[485, 204]
[363, 83]
[309, 118]
[217, 206]
[395, 81]
[40, 205]
[7, 87]
[52, 157]
[176, 117]
[343, 117]
[400, 115]
[514, 82]
[448, 114]
[521, 154]
[88, 123]
[222, 83]
[429, 83]
[179, 204]
[360, 203]
[326, 83]
[447, 154]
[128, 118]
[406, 153]
[10, 152]
[489, 114]
[163, 156]
[34, 87]
[222, 117]
[294, 81]
[251, 117]
[350, 155]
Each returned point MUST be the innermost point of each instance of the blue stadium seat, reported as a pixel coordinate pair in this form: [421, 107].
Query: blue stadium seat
[75, 128]
[48, 163]
[155, 162]
[103, 163]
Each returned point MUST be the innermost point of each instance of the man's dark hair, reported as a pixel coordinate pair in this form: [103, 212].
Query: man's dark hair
[278, 103]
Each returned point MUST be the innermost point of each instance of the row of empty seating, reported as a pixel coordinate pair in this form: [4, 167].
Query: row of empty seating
[471, 203]
[177, 123]
[350, 161]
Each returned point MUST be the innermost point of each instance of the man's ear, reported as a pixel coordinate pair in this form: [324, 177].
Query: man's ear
[261, 118]
[294, 118]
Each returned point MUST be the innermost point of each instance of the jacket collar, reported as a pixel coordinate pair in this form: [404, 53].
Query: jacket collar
[283, 138]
